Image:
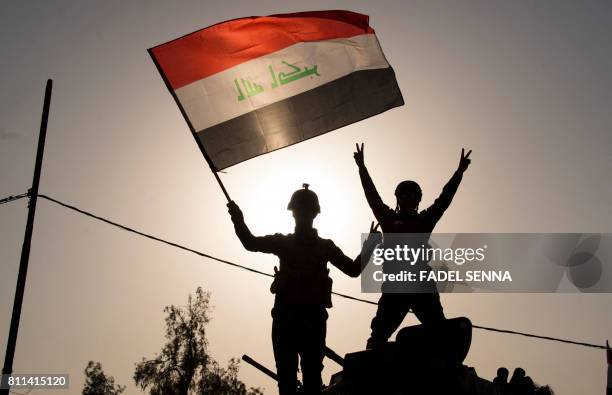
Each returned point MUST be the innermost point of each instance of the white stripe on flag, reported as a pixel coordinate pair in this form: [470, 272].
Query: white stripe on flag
[217, 98]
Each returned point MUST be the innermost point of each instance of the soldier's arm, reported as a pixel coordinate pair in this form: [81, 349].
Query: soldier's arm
[268, 244]
[443, 201]
[354, 267]
[379, 208]
[348, 266]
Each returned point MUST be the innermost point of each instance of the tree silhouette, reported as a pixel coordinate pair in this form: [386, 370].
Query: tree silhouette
[217, 380]
[184, 366]
[98, 383]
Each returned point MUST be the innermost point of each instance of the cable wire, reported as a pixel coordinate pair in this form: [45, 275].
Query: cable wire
[349, 297]
[12, 198]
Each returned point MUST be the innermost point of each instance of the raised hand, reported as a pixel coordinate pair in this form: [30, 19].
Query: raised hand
[235, 211]
[374, 229]
[359, 155]
[374, 236]
[465, 160]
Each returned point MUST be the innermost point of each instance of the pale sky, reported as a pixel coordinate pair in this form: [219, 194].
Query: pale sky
[527, 85]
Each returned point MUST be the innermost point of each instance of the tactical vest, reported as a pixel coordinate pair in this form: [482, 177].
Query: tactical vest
[303, 277]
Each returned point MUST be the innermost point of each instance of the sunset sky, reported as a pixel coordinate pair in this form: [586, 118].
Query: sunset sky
[527, 85]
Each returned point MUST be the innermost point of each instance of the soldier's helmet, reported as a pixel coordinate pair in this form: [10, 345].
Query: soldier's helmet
[304, 200]
[409, 189]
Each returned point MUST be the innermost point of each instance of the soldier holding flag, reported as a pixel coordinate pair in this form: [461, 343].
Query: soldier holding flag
[302, 289]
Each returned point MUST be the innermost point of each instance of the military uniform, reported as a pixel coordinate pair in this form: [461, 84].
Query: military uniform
[302, 289]
[393, 307]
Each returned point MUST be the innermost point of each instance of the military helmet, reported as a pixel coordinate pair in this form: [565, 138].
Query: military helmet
[304, 199]
[408, 188]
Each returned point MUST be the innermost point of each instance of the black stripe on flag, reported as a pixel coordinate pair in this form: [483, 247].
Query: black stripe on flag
[349, 99]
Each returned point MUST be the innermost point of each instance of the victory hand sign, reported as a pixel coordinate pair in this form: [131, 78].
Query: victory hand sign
[465, 160]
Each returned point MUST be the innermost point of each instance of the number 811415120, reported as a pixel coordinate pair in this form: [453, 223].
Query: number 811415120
[35, 381]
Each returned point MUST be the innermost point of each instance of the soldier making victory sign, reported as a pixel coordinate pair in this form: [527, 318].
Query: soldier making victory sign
[393, 307]
[302, 289]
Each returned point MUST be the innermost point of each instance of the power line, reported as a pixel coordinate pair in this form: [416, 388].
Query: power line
[11, 198]
[179, 246]
[148, 236]
[507, 331]
[486, 328]
[349, 297]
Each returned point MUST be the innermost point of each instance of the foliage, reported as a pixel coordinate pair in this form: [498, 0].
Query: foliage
[98, 383]
[184, 365]
[217, 380]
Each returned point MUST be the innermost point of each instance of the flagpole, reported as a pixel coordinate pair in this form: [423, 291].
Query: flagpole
[193, 131]
[25, 249]
[219, 181]
[212, 167]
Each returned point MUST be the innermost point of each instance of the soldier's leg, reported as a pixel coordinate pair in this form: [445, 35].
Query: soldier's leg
[285, 353]
[392, 308]
[312, 350]
[427, 308]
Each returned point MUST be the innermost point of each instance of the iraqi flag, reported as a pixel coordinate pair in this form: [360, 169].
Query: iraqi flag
[253, 85]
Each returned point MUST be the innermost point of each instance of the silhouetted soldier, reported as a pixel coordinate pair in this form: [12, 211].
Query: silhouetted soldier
[516, 381]
[502, 377]
[393, 307]
[302, 287]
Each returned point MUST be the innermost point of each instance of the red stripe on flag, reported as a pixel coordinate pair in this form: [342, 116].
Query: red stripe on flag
[216, 48]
